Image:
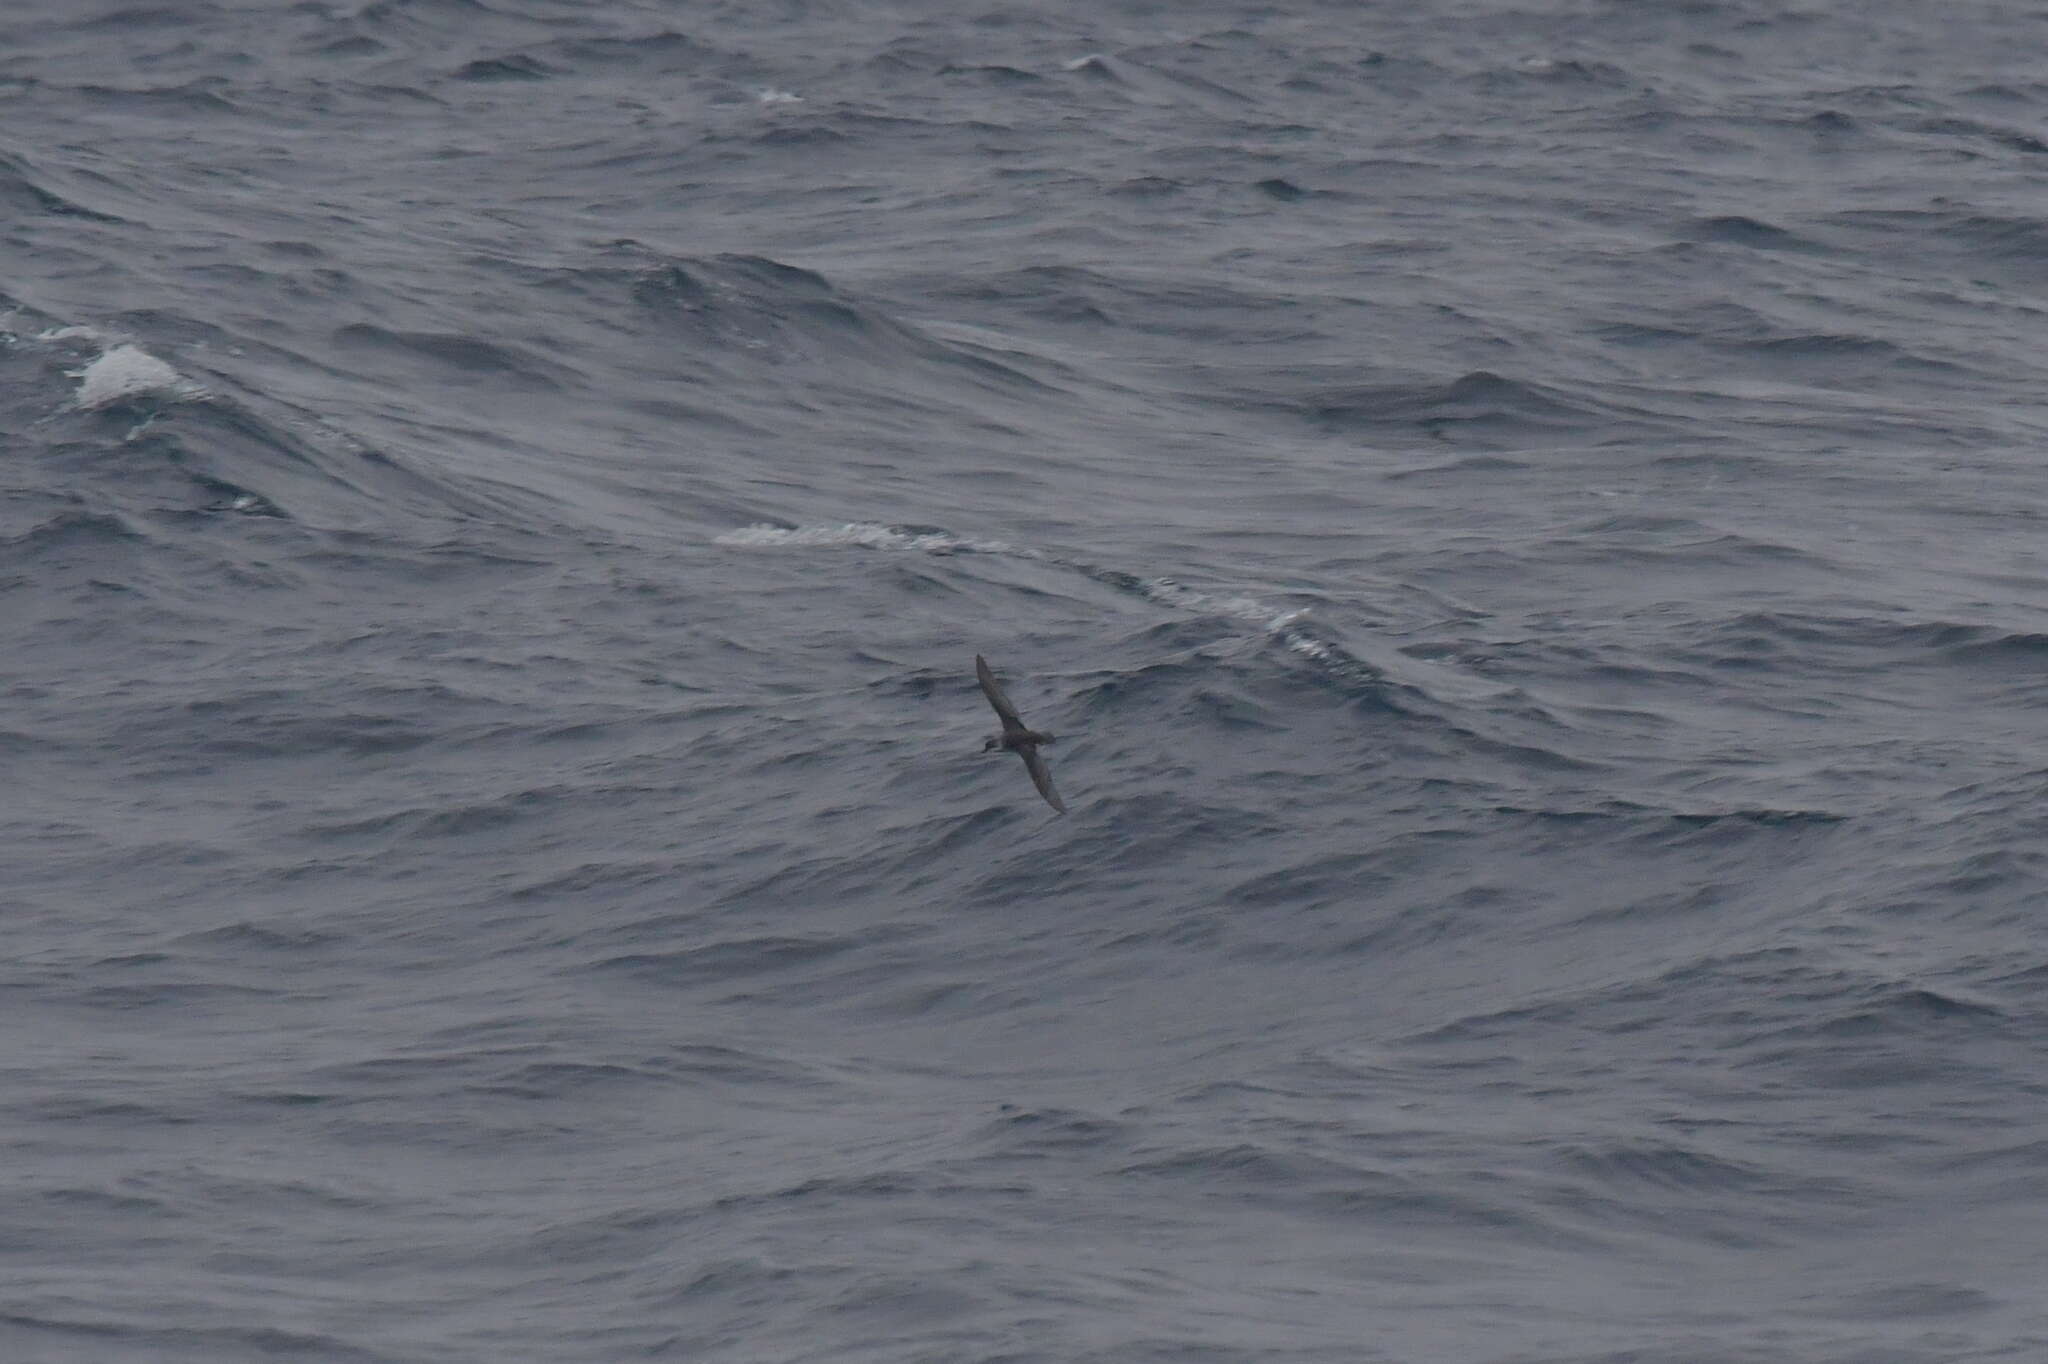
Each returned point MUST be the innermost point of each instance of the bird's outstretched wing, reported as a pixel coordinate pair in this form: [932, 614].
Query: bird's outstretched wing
[994, 691]
[1040, 777]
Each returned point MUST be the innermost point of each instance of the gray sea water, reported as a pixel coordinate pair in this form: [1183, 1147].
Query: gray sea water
[1527, 519]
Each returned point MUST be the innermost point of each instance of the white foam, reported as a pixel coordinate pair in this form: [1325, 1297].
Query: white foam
[1163, 591]
[770, 95]
[862, 535]
[1167, 592]
[128, 372]
[1305, 645]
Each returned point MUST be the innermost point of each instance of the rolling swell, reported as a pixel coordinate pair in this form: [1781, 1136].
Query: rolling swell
[1526, 530]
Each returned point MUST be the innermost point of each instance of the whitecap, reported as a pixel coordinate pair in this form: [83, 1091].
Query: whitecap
[1165, 592]
[129, 372]
[863, 535]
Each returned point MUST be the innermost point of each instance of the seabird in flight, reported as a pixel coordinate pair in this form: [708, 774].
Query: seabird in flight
[1015, 737]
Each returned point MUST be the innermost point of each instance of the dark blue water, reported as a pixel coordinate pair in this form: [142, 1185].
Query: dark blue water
[1528, 522]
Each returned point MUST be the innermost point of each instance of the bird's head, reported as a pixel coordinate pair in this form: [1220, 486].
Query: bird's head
[991, 744]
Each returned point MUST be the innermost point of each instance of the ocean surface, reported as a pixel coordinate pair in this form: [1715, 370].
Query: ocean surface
[1528, 521]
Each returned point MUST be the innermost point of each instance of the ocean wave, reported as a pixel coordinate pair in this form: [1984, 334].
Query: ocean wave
[863, 535]
[125, 372]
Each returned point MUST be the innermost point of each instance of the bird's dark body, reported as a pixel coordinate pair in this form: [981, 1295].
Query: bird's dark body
[1015, 738]
[1023, 738]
